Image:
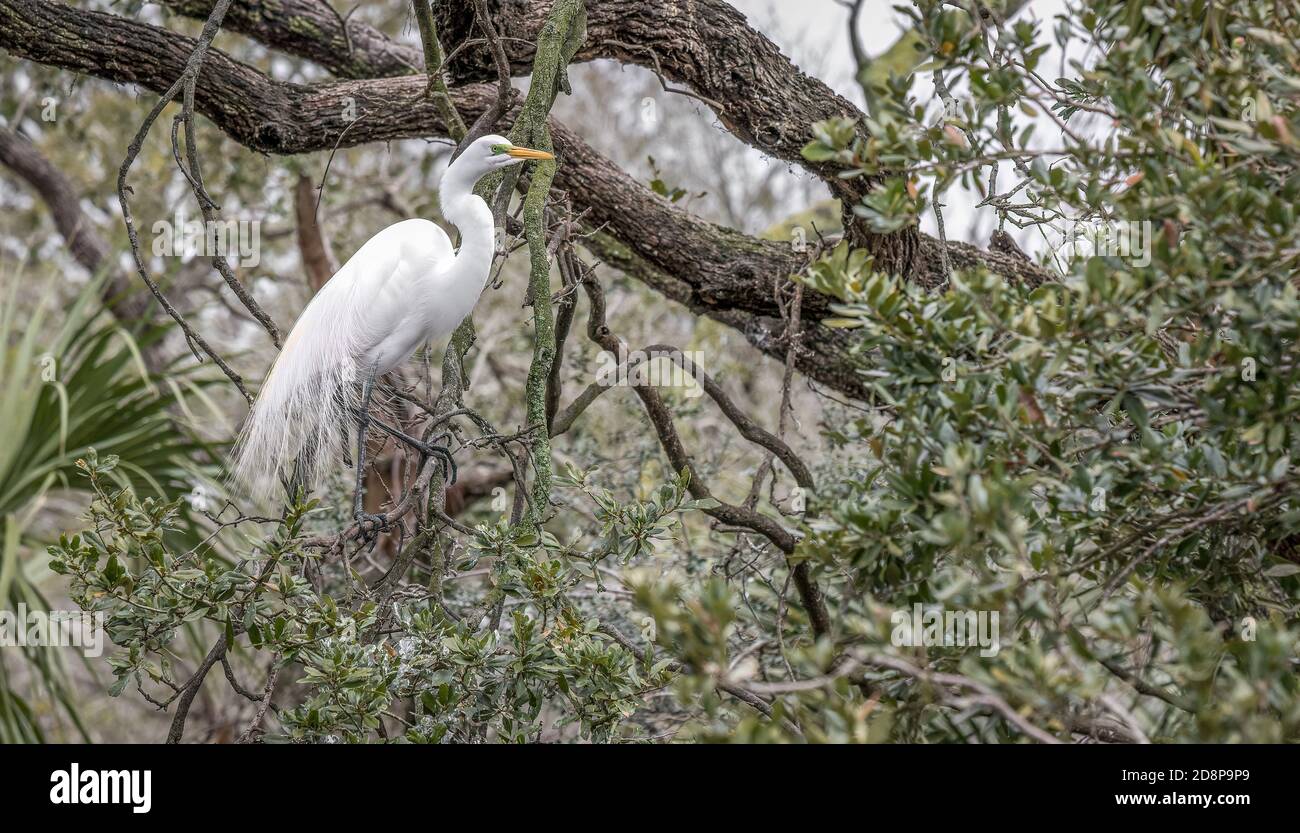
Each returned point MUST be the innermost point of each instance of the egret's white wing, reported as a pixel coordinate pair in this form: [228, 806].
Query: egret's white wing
[369, 302]
[376, 289]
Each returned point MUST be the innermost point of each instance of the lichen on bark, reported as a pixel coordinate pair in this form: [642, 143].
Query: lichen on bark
[559, 39]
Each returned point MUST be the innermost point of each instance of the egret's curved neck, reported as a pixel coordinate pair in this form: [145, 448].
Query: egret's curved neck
[473, 219]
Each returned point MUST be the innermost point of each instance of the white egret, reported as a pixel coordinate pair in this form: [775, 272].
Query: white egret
[403, 288]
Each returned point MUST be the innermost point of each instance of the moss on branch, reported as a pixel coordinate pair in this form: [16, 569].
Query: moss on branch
[559, 39]
[433, 67]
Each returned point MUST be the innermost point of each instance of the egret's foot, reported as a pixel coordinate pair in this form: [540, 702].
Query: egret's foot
[427, 450]
[444, 453]
[369, 526]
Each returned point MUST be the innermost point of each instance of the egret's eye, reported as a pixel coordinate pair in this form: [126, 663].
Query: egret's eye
[500, 149]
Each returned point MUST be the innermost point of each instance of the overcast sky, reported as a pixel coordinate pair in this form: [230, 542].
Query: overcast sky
[813, 33]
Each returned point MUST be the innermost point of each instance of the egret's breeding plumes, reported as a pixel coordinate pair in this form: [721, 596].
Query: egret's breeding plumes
[404, 287]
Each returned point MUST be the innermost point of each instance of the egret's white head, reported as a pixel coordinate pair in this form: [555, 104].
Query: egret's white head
[488, 153]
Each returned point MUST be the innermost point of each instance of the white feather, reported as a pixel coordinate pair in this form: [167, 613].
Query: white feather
[310, 398]
[403, 288]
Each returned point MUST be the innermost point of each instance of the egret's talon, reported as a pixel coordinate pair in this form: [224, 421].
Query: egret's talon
[370, 526]
[449, 469]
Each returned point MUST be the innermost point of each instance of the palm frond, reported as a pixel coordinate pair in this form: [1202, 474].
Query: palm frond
[71, 382]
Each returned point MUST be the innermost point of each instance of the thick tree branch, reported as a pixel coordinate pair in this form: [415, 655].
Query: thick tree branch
[313, 246]
[706, 45]
[710, 269]
[766, 100]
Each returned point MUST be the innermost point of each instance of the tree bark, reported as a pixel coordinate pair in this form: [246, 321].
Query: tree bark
[711, 269]
[317, 255]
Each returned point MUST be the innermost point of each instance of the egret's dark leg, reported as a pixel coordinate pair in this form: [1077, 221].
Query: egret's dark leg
[340, 401]
[425, 449]
[293, 483]
[370, 524]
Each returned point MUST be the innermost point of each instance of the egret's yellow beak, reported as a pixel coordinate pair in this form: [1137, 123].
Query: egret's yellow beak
[529, 153]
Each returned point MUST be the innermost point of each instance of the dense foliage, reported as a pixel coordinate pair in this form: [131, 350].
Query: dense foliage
[64, 392]
[1106, 460]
